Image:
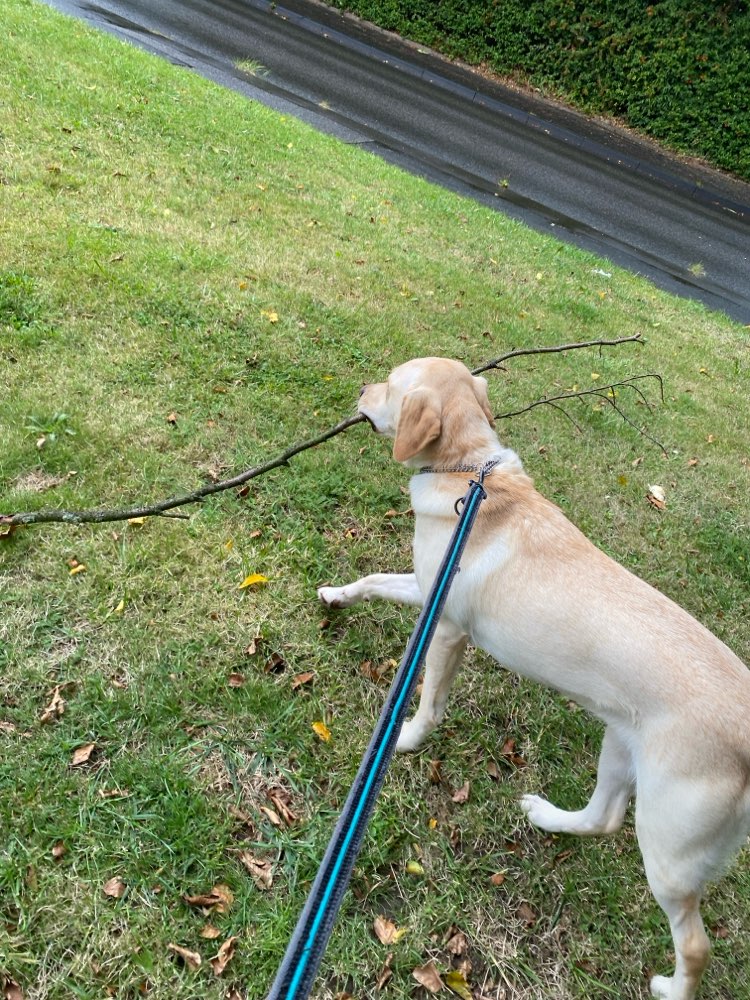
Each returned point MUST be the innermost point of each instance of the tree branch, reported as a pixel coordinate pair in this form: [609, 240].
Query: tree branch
[521, 352]
[165, 507]
[600, 391]
[160, 509]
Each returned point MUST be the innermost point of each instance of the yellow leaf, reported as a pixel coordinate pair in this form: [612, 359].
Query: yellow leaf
[254, 580]
[229, 545]
[595, 376]
[270, 314]
[322, 731]
[120, 608]
[78, 568]
[456, 983]
[136, 520]
[414, 868]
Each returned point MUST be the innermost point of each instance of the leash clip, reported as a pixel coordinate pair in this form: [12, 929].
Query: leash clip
[482, 471]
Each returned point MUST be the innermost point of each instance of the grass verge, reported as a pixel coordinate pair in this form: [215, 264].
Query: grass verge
[188, 283]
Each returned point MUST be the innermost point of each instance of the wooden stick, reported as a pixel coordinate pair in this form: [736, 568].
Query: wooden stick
[163, 509]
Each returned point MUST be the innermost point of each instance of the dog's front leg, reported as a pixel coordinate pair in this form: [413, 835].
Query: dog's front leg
[443, 660]
[402, 588]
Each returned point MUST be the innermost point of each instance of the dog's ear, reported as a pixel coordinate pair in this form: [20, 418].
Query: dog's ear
[480, 391]
[419, 423]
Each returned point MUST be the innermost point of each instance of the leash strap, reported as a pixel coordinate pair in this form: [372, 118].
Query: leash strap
[296, 974]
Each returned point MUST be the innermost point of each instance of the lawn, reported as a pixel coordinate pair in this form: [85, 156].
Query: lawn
[189, 283]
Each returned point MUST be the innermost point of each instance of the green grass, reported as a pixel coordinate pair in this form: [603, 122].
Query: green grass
[169, 248]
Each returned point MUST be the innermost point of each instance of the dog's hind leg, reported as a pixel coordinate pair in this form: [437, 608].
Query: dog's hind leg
[680, 840]
[691, 814]
[690, 944]
[402, 588]
[442, 663]
[606, 808]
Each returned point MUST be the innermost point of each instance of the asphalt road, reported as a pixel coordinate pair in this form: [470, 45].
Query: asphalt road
[684, 227]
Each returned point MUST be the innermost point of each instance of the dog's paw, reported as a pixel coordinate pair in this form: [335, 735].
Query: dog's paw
[661, 987]
[541, 813]
[410, 738]
[334, 597]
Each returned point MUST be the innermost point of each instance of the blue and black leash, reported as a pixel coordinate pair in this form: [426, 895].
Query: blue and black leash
[296, 974]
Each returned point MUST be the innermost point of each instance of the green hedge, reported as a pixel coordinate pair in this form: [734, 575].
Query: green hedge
[678, 71]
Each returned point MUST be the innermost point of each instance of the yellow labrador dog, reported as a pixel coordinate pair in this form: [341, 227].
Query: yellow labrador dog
[545, 602]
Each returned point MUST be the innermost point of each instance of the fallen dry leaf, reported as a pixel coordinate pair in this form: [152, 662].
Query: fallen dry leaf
[7, 727]
[385, 973]
[461, 796]
[11, 989]
[115, 888]
[260, 869]
[59, 850]
[191, 958]
[218, 900]
[387, 932]
[456, 983]
[55, 708]
[253, 646]
[275, 664]
[225, 955]
[510, 753]
[429, 977]
[209, 932]
[172, 418]
[498, 878]
[458, 944]
[377, 673]
[281, 804]
[435, 776]
[271, 814]
[236, 680]
[300, 680]
[525, 913]
[656, 498]
[82, 755]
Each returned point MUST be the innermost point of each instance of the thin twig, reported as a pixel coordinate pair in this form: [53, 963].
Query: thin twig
[600, 391]
[522, 351]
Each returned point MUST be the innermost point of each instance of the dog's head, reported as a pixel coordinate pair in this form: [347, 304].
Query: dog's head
[433, 408]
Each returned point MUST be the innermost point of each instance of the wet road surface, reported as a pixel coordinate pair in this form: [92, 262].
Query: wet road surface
[685, 227]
